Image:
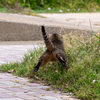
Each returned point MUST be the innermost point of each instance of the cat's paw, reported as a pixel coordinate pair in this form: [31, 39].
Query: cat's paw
[64, 64]
[35, 69]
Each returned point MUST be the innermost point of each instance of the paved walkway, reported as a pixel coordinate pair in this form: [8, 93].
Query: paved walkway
[16, 88]
[12, 53]
[14, 50]
[82, 21]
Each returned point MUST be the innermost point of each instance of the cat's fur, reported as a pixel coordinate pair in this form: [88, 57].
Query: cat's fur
[55, 50]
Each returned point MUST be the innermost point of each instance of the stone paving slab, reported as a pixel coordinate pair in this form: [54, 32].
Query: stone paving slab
[12, 53]
[15, 90]
[24, 43]
[11, 99]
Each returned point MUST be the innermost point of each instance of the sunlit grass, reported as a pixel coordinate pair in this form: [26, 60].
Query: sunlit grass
[56, 6]
[4, 10]
[82, 77]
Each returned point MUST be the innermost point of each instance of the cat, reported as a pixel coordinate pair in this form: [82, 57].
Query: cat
[55, 50]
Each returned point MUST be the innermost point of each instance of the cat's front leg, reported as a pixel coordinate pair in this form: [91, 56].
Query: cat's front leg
[45, 58]
[36, 68]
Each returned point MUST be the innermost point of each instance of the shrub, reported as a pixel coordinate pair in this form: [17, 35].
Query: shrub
[73, 5]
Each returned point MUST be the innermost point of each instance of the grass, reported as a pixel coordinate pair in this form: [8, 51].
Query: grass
[82, 77]
[24, 11]
[66, 6]
[57, 10]
[4, 10]
[28, 11]
[56, 6]
[31, 12]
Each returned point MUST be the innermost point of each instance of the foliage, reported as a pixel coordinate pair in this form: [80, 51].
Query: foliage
[82, 77]
[2, 9]
[73, 5]
[8, 2]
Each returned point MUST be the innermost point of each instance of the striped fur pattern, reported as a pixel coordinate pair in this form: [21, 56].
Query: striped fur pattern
[55, 50]
[47, 41]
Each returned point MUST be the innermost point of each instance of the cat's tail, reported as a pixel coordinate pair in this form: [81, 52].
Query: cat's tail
[47, 41]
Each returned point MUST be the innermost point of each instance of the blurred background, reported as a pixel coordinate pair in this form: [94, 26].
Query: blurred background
[49, 6]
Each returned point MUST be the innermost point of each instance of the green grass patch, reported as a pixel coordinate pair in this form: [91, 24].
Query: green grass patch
[56, 6]
[4, 10]
[31, 12]
[25, 11]
[82, 77]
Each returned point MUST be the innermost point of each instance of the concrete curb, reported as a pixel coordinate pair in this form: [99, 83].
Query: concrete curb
[16, 27]
[13, 31]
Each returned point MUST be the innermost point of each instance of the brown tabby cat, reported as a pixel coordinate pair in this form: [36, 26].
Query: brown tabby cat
[55, 50]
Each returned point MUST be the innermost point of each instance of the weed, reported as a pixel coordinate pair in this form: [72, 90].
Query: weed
[31, 12]
[48, 89]
[56, 91]
[34, 95]
[16, 81]
[43, 95]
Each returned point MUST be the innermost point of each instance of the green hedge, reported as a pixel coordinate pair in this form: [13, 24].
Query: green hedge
[69, 4]
[54, 4]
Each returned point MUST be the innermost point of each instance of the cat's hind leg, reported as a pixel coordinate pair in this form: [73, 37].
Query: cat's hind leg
[61, 59]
